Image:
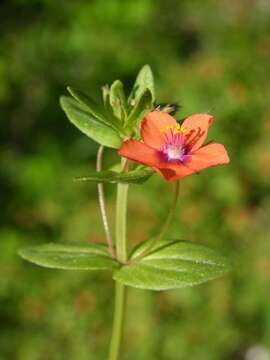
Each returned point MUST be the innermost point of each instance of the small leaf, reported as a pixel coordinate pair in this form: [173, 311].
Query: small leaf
[171, 265]
[69, 257]
[95, 109]
[141, 108]
[88, 124]
[107, 106]
[118, 99]
[144, 81]
[138, 176]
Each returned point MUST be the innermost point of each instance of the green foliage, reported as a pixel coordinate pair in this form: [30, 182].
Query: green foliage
[144, 82]
[138, 176]
[94, 108]
[118, 100]
[91, 126]
[124, 117]
[67, 257]
[141, 108]
[171, 265]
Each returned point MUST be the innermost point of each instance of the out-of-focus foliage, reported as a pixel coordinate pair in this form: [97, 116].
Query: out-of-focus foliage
[210, 56]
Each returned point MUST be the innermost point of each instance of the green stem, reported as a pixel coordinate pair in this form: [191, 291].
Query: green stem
[121, 222]
[165, 226]
[121, 254]
[171, 212]
[118, 321]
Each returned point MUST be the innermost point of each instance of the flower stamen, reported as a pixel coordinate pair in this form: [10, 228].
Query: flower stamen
[191, 140]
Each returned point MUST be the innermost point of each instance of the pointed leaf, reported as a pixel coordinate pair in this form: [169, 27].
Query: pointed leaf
[144, 81]
[138, 176]
[171, 265]
[107, 106]
[95, 109]
[118, 99]
[141, 109]
[69, 257]
[88, 124]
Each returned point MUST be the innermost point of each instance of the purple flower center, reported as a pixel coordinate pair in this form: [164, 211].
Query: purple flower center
[175, 149]
[174, 152]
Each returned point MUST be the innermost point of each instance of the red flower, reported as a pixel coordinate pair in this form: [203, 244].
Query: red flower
[172, 150]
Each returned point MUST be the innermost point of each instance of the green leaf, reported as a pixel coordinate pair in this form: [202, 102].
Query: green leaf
[95, 109]
[88, 124]
[141, 108]
[144, 81]
[171, 265]
[70, 257]
[118, 99]
[138, 176]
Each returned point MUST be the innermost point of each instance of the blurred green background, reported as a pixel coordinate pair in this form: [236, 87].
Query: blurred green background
[210, 56]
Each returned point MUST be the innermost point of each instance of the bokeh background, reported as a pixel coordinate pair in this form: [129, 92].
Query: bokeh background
[210, 56]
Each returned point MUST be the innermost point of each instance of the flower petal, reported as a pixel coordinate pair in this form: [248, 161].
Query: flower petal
[139, 152]
[154, 127]
[172, 172]
[207, 156]
[196, 128]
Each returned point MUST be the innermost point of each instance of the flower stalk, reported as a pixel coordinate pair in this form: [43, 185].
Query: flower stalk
[170, 213]
[165, 226]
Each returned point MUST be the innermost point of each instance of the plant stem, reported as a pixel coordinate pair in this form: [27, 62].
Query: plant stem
[121, 222]
[170, 213]
[121, 253]
[102, 206]
[118, 321]
[165, 226]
